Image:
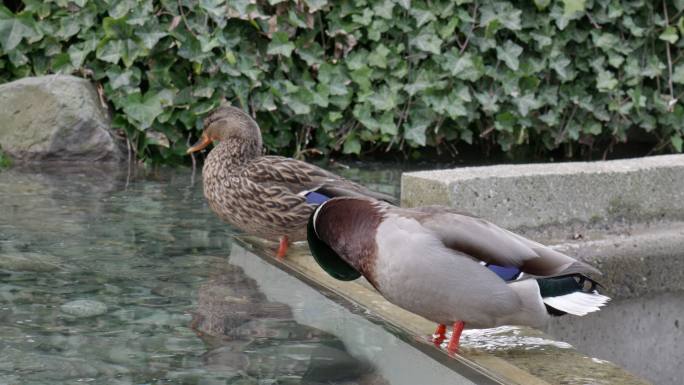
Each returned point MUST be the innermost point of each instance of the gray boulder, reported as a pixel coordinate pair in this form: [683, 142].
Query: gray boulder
[55, 117]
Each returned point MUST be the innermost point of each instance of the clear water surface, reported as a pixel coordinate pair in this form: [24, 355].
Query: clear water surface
[113, 278]
[108, 277]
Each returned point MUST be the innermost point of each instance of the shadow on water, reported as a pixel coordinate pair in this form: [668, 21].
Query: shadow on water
[102, 281]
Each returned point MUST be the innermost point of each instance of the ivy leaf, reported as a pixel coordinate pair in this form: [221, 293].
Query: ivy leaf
[415, 133]
[495, 15]
[119, 78]
[678, 74]
[679, 4]
[352, 145]
[593, 128]
[387, 125]
[526, 103]
[299, 101]
[636, 30]
[316, 5]
[216, 9]
[422, 15]
[131, 51]
[68, 27]
[447, 30]
[280, 45]
[570, 7]
[78, 52]
[676, 141]
[426, 79]
[605, 81]
[383, 99]
[110, 51]
[61, 63]
[542, 4]
[121, 8]
[116, 28]
[406, 4]
[364, 18]
[362, 77]
[362, 113]
[560, 64]
[384, 9]
[207, 43]
[509, 54]
[505, 121]
[669, 35]
[378, 58]
[606, 40]
[14, 28]
[489, 102]
[320, 97]
[311, 52]
[150, 38]
[427, 40]
[462, 66]
[144, 109]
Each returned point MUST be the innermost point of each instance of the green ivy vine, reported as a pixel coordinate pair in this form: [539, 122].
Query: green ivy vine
[357, 76]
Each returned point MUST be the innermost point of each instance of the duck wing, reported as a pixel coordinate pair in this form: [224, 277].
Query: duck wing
[301, 178]
[494, 245]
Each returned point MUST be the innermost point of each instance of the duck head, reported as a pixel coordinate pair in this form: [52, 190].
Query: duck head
[228, 123]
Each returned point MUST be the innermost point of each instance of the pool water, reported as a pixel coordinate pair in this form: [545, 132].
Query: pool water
[107, 277]
[114, 277]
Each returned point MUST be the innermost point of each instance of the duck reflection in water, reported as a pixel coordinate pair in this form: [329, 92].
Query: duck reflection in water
[248, 334]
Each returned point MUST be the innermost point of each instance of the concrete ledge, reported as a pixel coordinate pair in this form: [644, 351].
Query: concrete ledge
[646, 259]
[534, 195]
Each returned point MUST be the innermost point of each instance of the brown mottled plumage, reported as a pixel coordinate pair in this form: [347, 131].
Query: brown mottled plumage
[262, 195]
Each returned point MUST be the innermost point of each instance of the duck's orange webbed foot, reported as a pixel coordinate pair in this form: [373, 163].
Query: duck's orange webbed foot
[455, 339]
[282, 248]
[439, 335]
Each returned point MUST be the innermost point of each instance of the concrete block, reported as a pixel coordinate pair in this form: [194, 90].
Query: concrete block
[646, 260]
[535, 195]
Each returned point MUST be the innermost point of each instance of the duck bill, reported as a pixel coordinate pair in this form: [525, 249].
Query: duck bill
[201, 143]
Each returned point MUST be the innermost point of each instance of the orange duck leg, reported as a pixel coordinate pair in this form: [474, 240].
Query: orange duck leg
[282, 248]
[455, 339]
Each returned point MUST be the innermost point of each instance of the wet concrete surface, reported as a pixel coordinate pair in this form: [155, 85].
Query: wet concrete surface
[645, 335]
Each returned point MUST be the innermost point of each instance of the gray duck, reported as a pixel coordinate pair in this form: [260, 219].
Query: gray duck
[449, 267]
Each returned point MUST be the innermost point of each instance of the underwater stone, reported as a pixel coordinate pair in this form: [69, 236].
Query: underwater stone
[34, 262]
[83, 308]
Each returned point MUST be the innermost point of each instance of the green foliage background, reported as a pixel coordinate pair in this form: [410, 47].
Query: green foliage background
[368, 75]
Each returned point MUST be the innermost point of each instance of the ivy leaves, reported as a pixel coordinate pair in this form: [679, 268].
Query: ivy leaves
[365, 76]
[14, 28]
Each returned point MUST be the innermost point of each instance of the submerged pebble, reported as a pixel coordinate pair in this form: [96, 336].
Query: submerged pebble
[83, 308]
[35, 262]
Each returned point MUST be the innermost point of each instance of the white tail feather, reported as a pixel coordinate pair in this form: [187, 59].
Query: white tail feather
[577, 303]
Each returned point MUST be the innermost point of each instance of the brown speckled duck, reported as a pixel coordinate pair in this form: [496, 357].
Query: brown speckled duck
[268, 196]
